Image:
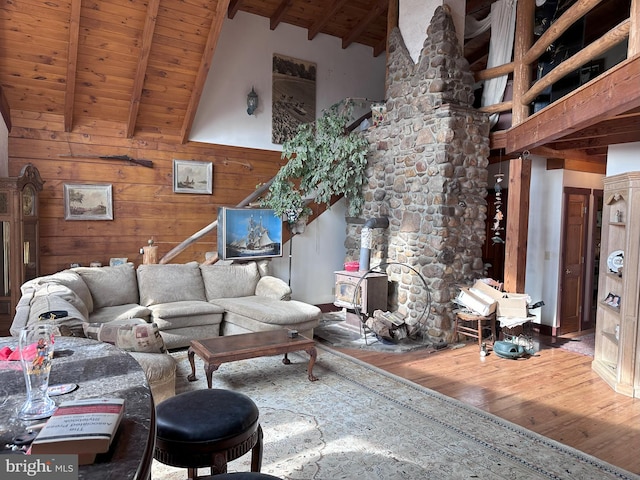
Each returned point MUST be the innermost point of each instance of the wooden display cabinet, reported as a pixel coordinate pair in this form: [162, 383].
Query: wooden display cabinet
[19, 227]
[617, 350]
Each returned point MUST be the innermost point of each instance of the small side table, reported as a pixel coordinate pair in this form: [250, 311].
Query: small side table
[464, 319]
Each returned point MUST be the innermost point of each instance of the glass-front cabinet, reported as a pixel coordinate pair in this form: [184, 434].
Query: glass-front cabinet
[19, 225]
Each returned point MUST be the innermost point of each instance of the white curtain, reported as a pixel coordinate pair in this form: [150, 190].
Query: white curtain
[503, 26]
[474, 27]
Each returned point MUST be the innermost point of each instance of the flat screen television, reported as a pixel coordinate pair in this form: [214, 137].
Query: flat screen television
[248, 233]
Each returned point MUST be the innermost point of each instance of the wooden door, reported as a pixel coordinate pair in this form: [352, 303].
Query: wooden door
[572, 273]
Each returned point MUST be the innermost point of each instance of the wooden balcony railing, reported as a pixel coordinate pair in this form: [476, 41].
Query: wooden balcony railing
[527, 54]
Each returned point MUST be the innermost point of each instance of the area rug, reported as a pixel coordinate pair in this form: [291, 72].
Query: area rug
[584, 345]
[359, 422]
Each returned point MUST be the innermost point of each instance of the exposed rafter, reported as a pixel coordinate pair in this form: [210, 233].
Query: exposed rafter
[280, 12]
[72, 64]
[322, 20]
[143, 60]
[356, 31]
[234, 7]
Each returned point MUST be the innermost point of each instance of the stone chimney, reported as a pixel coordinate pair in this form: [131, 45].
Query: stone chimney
[428, 174]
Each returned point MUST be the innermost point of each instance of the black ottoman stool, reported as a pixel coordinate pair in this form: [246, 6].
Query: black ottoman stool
[241, 476]
[207, 428]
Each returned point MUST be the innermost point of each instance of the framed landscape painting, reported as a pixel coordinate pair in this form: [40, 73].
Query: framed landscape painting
[192, 177]
[88, 202]
[248, 233]
[294, 96]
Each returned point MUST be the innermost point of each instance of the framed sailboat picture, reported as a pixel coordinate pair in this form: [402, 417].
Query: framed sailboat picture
[248, 233]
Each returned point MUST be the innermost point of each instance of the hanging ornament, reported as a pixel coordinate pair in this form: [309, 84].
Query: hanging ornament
[499, 216]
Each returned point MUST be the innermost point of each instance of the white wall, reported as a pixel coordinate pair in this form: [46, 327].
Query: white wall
[243, 59]
[316, 255]
[414, 17]
[623, 158]
[543, 242]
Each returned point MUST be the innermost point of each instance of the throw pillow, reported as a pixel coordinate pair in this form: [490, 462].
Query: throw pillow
[110, 286]
[170, 283]
[132, 335]
[230, 281]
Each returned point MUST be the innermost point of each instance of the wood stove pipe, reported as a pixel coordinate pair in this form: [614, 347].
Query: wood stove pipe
[366, 240]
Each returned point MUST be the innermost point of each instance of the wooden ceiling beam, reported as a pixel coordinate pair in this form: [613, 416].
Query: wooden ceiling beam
[617, 125]
[72, 64]
[604, 97]
[280, 12]
[203, 70]
[596, 142]
[576, 165]
[234, 7]
[327, 15]
[380, 8]
[141, 67]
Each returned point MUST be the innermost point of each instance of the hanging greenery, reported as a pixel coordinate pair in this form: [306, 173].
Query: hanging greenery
[323, 159]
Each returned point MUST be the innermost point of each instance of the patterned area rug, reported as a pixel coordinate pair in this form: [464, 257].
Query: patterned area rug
[584, 345]
[358, 422]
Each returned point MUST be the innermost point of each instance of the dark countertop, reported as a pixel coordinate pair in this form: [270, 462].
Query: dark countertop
[99, 369]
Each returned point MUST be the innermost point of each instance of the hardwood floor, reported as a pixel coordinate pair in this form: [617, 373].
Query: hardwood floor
[554, 393]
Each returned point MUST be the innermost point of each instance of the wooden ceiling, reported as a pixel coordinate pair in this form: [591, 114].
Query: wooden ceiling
[138, 67]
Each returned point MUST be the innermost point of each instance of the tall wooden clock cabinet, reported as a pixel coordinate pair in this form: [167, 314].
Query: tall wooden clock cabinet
[19, 227]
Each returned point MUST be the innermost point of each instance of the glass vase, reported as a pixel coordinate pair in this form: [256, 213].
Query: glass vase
[36, 343]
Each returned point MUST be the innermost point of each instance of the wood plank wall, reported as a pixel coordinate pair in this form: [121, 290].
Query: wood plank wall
[144, 203]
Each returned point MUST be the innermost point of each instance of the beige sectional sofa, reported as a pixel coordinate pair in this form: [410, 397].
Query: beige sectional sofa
[185, 302]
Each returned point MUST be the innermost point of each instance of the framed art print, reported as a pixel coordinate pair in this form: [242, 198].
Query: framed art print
[192, 177]
[88, 202]
[248, 233]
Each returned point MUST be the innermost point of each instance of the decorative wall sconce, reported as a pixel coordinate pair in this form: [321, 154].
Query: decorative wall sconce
[252, 101]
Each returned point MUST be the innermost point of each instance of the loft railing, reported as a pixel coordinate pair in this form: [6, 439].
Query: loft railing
[528, 53]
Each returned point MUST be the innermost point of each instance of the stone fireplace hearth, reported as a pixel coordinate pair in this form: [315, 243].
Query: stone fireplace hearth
[428, 175]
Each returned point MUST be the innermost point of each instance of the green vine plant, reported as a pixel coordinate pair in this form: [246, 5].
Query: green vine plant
[323, 159]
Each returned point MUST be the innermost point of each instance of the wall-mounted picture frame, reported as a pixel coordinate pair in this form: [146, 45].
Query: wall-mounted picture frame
[88, 202]
[293, 94]
[248, 233]
[190, 176]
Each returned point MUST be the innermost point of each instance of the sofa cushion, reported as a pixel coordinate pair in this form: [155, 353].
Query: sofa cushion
[70, 280]
[268, 310]
[185, 314]
[110, 286]
[43, 304]
[273, 287]
[170, 283]
[131, 335]
[230, 281]
[119, 312]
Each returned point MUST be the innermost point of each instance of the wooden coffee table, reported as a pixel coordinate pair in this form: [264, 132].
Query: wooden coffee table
[218, 350]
